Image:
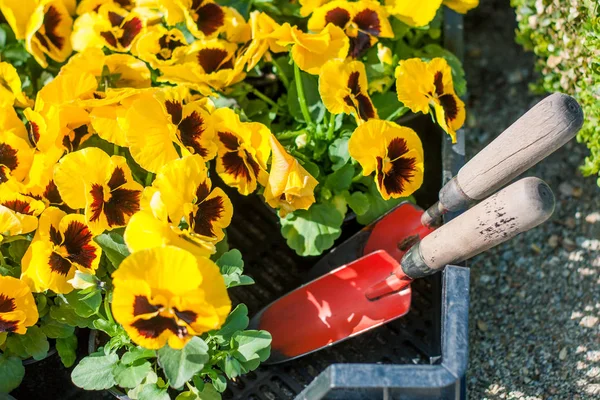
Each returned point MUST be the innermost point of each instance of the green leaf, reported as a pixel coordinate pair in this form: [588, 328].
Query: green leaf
[338, 152]
[232, 258]
[189, 395]
[95, 372]
[310, 232]
[54, 329]
[386, 103]
[137, 353]
[209, 393]
[17, 249]
[153, 392]
[219, 382]
[85, 305]
[130, 376]
[14, 346]
[250, 343]
[113, 246]
[232, 266]
[399, 28]
[180, 366]
[12, 372]
[35, 343]
[316, 108]
[230, 366]
[237, 320]
[341, 179]
[358, 202]
[67, 350]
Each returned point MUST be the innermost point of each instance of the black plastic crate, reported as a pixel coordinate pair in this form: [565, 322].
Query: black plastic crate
[422, 355]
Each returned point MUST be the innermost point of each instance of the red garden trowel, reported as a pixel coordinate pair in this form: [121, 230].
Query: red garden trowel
[542, 130]
[374, 289]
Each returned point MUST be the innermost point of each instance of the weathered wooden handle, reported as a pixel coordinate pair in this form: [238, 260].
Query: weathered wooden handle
[542, 130]
[515, 209]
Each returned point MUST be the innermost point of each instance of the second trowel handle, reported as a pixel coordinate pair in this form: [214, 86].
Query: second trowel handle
[515, 209]
[539, 132]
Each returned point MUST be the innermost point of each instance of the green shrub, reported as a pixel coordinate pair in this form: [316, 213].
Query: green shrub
[565, 36]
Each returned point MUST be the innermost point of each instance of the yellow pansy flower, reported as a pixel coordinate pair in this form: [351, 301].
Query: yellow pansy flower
[185, 190]
[243, 151]
[461, 6]
[311, 50]
[48, 32]
[343, 88]
[363, 21]
[161, 124]
[86, 6]
[266, 34]
[24, 208]
[18, 310]
[160, 46]
[67, 88]
[290, 186]
[110, 71]
[62, 245]
[111, 27]
[394, 152]
[423, 86]
[413, 13]
[203, 18]
[167, 295]
[16, 157]
[208, 64]
[17, 13]
[237, 30]
[101, 184]
[10, 88]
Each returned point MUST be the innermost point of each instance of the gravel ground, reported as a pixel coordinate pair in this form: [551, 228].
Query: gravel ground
[535, 301]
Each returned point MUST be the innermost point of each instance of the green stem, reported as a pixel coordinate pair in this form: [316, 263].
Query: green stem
[331, 126]
[301, 98]
[107, 309]
[264, 98]
[149, 177]
[115, 150]
[289, 134]
[397, 113]
[284, 79]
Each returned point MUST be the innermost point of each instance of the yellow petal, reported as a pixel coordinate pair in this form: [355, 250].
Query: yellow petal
[413, 13]
[461, 6]
[311, 51]
[10, 88]
[414, 82]
[19, 294]
[17, 13]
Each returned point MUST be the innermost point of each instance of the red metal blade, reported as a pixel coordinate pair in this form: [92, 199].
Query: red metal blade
[331, 308]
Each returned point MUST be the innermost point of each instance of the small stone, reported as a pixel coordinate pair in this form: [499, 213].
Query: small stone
[536, 248]
[571, 223]
[526, 380]
[515, 77]
[553, 241]
[577, 192]
[592, 218]
[588, 321]
[568, 244]
[482, 326]
[563, 354]
[566, 189]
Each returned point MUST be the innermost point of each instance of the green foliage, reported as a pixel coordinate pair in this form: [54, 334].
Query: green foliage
[113, 246]
[67, 348]
[232, 267]
[95, 372]
[310, 232]
[566, 41]
[181, 365]
[11, 373]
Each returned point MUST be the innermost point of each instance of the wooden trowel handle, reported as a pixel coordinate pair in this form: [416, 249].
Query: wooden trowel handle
[543, 129]
[515, 209]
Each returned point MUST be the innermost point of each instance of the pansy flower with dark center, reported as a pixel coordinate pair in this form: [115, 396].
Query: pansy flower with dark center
[160, 46]
[204, 18]
[185, 190]
[343, 87]
[111, 26]
[62, 245]
[427, 87]
[18, 310]
[101, 184]
[393, 152]
[86, 6]
[25, 209]
[163, 127]
[208, 65]
[49, 32]
[243, 151]
[363, 21]
[16, 156]
[167, 295]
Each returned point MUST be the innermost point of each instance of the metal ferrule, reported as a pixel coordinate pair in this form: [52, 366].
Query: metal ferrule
[414, 265]
[452, 198]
